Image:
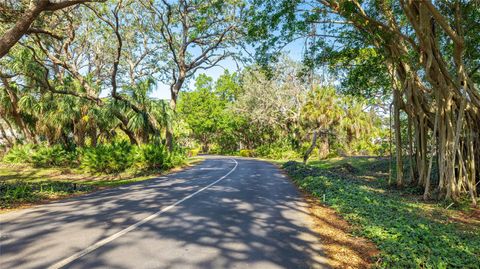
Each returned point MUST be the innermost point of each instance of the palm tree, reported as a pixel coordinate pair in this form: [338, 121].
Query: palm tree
[321, 114]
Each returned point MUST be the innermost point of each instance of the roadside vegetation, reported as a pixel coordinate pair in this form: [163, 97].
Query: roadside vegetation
[23, 184]
[408, 232]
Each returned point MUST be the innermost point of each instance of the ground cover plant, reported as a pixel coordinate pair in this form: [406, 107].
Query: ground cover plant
[408, 232]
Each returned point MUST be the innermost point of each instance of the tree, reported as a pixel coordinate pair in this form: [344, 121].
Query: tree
[82, 66]
[274, 99]
[24, 17]
[197, 35]
[321, 114]
[430, 53]
[202, 109]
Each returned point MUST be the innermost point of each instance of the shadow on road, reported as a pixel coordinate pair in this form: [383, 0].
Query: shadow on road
[253, 218]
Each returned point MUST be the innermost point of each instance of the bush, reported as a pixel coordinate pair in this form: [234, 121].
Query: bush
[41, 155]
[150, 156]
[108, 158]
[21, 191]
[279, 150]
[175, 158]
[246, 153]
[19, 154]
[115, 157]
[45, 156]
[193, 152]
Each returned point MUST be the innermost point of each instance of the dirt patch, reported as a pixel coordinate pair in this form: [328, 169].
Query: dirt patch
[343, 250]
[471, 218]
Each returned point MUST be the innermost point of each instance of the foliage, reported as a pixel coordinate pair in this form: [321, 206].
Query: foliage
[19, 154]
[279, 150]
[406, 237]
[246, 153]
[107, 158]
[422, 56]
[12, 193]
[150, 156]
[41, 155]
[193, 152]
[54, 156]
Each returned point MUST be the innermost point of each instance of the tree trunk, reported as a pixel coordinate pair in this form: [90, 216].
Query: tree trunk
[130, 134]
[11, 37]
[173, 105]
[312, 146]
[5, 136]
[324, 147]
[398, 137]
[16, 113]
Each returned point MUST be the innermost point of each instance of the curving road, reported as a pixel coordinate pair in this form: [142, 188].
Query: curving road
[222, 213]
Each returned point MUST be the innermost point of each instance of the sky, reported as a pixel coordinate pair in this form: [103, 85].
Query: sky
[294, 50]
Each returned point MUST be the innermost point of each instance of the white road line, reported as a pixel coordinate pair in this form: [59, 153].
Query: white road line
[132, 227]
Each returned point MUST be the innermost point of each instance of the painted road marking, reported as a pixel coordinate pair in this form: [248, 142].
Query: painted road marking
[132, 227]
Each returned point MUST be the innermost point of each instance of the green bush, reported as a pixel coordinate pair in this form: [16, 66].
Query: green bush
[193, 152]
[108, 158]
[150, 156]
[22, 191]
[19, 154]
[41, 155]
[246, 153]
[115, 157]
[174, 159]
[279, 150]
[53, 156]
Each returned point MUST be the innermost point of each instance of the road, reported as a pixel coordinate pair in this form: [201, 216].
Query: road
[221, 213]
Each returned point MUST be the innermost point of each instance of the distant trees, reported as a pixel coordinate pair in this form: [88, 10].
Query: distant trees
[275, 98]
[203, 110]
[275, 113]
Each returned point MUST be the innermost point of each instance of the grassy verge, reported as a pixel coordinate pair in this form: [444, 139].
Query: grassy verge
[22, 185]
[408, 232]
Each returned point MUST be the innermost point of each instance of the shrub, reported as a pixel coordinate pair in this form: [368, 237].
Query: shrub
[50, 156]
[150, 156]
[246, 153]
[193, 152]
[108, 158]
[41, 155]
[175, 158]
[22, 191]
[278, 151]
[19, 154]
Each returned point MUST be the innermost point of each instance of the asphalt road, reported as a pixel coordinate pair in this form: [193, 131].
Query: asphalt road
[222, 213]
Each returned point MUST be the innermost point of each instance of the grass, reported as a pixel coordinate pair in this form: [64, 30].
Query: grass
[22, 185]
[408, 232]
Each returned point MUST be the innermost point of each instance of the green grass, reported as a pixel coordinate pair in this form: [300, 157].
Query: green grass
[361, 163]
[409, 233]
[20, 184]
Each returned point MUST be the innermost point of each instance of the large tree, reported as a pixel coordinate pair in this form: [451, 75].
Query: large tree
[196, 35]
[18, 17]
[431, 52]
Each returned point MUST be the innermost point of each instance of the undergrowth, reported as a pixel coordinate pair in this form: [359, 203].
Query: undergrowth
[405, 236]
